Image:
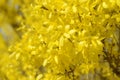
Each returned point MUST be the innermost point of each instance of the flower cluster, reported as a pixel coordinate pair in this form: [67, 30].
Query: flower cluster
[66, 40]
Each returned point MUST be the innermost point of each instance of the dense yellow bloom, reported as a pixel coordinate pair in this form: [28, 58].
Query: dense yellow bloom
[65, 40]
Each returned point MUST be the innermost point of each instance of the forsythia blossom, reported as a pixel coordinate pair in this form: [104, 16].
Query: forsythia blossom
[64, 40]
